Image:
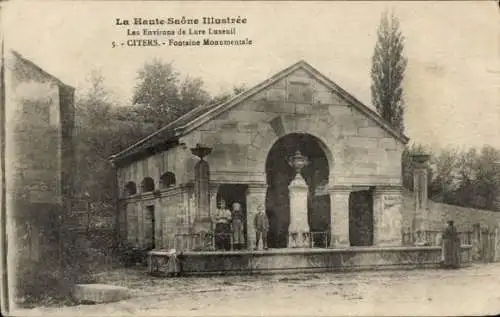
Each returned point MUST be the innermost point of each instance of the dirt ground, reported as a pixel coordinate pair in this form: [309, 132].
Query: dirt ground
[468, 291]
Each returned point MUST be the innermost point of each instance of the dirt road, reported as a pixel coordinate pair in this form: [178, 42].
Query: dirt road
[469, 291]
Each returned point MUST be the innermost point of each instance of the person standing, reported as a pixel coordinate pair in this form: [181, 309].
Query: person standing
[223, 227]
[451, 247]
[238, 226]
[261, 224]
[173, 265]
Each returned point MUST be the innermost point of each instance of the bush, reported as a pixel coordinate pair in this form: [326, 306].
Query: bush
[131, 256]
[48, 282]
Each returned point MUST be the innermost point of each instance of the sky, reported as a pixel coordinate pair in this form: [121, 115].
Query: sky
[452, 82]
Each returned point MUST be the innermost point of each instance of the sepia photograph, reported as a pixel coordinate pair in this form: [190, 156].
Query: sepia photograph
[250, 158]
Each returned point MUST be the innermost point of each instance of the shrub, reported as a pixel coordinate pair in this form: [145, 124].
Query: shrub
[48, 281]
[131, 256]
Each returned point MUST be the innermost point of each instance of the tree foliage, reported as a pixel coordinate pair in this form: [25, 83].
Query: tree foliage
[468, 178]
[388, 70]
[162, 96]
[236, 90]
[102, 129]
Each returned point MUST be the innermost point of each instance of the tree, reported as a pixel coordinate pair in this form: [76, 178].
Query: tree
[387, 73]
[162, 95]
[444, 182]
[102, 129]
[157, 92]
[94, 104]
[486, 182]
[236, 90]
[465, 194]
[467, 178]
[192, 94]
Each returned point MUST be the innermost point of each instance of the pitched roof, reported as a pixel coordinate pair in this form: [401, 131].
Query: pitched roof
[202, 114]
[39, 69]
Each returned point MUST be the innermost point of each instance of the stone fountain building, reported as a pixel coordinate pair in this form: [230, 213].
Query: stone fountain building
[350, 188]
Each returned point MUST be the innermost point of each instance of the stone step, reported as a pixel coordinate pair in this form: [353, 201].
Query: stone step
[99, 293]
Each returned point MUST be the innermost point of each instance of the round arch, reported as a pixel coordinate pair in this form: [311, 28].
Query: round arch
[147, 184]
[279, 174]
[266, 138]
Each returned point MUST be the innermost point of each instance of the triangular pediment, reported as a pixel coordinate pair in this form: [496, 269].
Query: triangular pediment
[303, 85]
[300, 80]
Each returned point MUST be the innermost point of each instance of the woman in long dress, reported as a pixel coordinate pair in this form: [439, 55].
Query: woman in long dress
[451, 246]
[223, 227]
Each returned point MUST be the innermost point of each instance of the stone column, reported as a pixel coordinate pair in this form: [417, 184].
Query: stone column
[339, 204]
[202, 220]
[256, 195]
[387, 216]
[140, 225]
[298, 229]
[298, 214]
[158, 219]
[420, 190]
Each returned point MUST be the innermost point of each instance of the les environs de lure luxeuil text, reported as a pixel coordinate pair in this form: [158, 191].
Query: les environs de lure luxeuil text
[183, 31]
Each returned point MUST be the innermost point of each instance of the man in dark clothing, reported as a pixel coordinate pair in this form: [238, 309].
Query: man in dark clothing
[261, 224]
[238, 227]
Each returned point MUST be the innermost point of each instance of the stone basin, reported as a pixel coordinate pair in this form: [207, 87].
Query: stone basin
[99, 293]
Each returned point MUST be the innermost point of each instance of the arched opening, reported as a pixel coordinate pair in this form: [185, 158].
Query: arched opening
[147, 185]
[361, 218]
[167, 180]
[279, 175]
[231, 194]
[130, 189]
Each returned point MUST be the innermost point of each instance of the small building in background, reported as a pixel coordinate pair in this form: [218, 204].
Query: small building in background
[39, 120]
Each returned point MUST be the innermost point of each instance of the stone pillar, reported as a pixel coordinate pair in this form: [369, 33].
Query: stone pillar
[202, 220]
[420, 192]
[298, 229]
[140, 225]
[256, 195]
[158, 223]
[339, 204]
[387, 216]
[299, 226]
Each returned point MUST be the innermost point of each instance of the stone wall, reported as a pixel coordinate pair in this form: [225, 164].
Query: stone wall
[39, 117]
[178, 161]
[437, 215]
[174, 212]
[33, 140]
[387, 216]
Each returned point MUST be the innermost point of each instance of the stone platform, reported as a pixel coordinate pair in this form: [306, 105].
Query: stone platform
[99, 293]
[304, 260]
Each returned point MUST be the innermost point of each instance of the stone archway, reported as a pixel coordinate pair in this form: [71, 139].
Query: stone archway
[279, 174]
